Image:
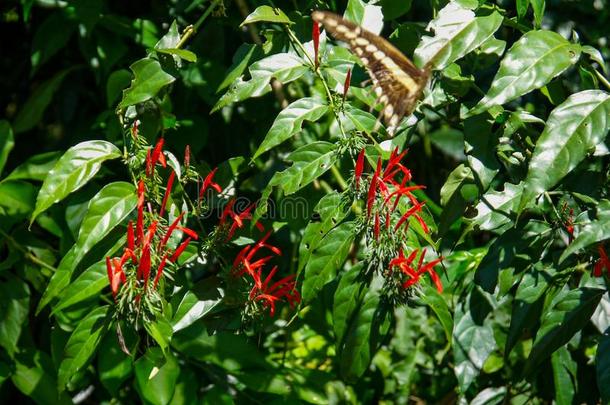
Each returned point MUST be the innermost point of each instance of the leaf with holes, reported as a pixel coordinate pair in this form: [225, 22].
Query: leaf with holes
[529, 64]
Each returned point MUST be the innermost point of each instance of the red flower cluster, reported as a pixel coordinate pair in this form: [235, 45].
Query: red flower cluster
[405, 264]
[602, 263]
[263, 289]
[386, 188]
[147, 246]
[385, 184]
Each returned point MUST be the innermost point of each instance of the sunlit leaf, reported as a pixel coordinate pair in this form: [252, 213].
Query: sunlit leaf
[149, 79]
[266, 14]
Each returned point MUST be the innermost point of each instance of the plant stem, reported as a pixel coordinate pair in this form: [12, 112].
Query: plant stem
[192, 29]
[603, 79]
[337, 175]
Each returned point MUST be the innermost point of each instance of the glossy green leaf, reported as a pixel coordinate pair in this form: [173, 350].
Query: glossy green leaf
[108, 208]
[35, 168]
[7, 142]
[149, 80]
[88, 285]
[564, 376]
[14, 309]
[32, 111]
[308, 163]
[457, 32]
[161, 331]
[327, 259]
[241, 60]
[332, 209]
[361, 120]
[497, 209]
[73, 170]
[197, 303]
[182, 53]
[284, 67]
[289, 122]
[602, 366]
[156, 376]
[489, 396]
[82, 344]
[17, 199]
[368, 16]
[572, 131]
[431, 297]
[596, 56]
[267, 14]
[472, 344]
[34, 376]
[568, 314]
[529, 64]
[348, 297]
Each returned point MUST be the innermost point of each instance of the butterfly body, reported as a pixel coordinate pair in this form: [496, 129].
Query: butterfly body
[398, 83]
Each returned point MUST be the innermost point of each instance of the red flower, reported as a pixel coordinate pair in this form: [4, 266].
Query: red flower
[168, 190]
[359, 167]
[187, 156]
[315, 35]
[140, 223]
[405, 265]
[373, 189]
[160, 271]
[348, 79]
[180, 250]
[238, 219]
[208, 182]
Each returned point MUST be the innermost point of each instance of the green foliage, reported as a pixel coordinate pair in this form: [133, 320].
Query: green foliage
[347, 282]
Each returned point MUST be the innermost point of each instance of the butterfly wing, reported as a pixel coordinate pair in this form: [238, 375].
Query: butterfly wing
[398, 83]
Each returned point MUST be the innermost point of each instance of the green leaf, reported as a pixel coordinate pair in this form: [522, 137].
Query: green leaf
[327, 259]
[497, 209]
[572, 132]
[438, 304]
[457, 32]
[35, 106]
[114, 366]
[17, 200]
[48, 39]
[348, 296]
[34, 376]
[528, 305]
[564, 370]
[358, 350]
[266, 14]
[522, 6]
[35, 168]
[289, 121]
[197, 303]
[241, 60]
[393, 9]
[73, 170]
[468, 334]
[529, 64]
[592, 232]
[368, 16]
[568, 314]
[117, 82]
[361, 120]
[14, 309]
[108, 208]
[332, 209]
[308, 163]
[538, 7]
[284, 67]
[83, 343]
[161, 331]
[7, 142]
[596, 56]
[182, 53]
[149, 80]
[489, 396]
[602, 366]
[156, 376]
[88, 285]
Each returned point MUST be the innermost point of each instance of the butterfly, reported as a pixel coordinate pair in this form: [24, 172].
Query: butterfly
[398, 83]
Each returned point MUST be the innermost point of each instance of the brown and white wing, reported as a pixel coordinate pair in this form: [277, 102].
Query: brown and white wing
[398, 83]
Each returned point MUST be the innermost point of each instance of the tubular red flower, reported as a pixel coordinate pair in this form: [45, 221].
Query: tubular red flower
[315, 35]
[189, 232]
[157, 154]
[168, 191]
[130, 236]
[187, 156]
[160, 271]
[144, 265]
[348, 79]
[373, 189]
[170, 229]
[208, 182]
[140, 223]
[359, 167]
[376, 231]
[180, 250]
[411, 211]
